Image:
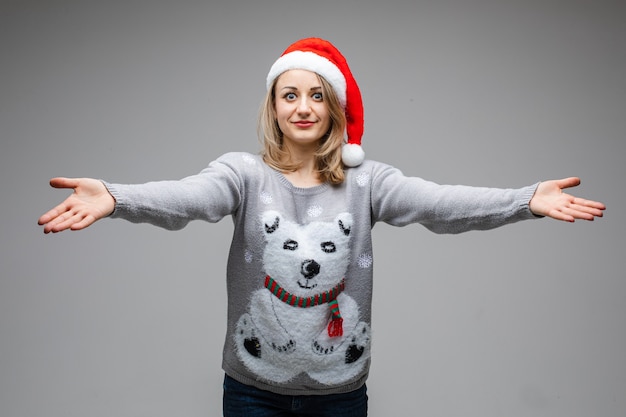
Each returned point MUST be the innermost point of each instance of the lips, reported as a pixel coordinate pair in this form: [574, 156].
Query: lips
[303, 124]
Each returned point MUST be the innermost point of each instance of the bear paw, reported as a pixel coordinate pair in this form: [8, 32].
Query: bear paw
[285, 348]
[247, 333]
[321, 349]
[359, 341]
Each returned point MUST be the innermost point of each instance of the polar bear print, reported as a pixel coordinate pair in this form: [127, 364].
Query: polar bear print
[302, 321]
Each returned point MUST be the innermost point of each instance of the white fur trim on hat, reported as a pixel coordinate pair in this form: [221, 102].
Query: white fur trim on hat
[312, 62]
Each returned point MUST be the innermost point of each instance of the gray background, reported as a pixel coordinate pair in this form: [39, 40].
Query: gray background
[128, 320]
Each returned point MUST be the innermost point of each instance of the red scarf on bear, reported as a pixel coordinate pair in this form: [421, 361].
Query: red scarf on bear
[335, 327]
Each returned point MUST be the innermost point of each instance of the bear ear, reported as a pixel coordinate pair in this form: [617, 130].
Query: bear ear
[271, 221]
[344, 220]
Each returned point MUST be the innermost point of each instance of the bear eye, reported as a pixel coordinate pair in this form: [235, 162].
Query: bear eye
[328, 247]
[290, 245]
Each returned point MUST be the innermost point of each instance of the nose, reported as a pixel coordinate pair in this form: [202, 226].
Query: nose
[309, 268]
[303, 105]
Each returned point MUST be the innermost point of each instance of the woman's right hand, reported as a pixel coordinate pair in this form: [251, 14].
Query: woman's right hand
[89, 202]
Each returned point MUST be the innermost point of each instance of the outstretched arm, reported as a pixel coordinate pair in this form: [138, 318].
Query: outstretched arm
[550, 200]
[89, 202]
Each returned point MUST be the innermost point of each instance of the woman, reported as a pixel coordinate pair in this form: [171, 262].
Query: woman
[299, 272]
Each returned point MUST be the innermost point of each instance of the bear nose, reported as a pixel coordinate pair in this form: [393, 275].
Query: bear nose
[309, 268]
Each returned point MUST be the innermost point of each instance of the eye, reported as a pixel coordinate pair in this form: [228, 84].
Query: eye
[328, 247]
[318, 97]
[290, 96]
[290, 245]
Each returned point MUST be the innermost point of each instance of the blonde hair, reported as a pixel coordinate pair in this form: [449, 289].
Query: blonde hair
[328, 156]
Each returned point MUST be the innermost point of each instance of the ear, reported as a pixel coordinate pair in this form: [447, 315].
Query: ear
[271, 221]
[344, 221]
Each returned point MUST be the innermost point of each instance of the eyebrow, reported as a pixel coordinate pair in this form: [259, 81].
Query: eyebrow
[289, 87]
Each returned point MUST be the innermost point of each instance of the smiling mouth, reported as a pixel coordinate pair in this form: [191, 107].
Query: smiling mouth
[307, 285]
[304, 124]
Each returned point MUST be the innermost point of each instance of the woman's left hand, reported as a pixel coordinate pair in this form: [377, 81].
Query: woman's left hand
[550, 200]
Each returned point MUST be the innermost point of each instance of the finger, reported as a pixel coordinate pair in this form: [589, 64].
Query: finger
[587, 211]
[568, 182]
[580, 215]
[589, 203]
[52, 214]
[582, 212]
[55, 224]
[64, 222]
[561, 215]
[85, 222]
[64, 219]
[62, 182]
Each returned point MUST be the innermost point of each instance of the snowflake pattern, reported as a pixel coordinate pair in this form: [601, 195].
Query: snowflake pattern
[314, 211]
[364, 261]
[363, 179]
[248, 159]
[266, 198]
[248, 256]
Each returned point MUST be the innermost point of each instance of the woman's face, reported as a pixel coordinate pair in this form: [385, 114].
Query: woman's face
[301, 111]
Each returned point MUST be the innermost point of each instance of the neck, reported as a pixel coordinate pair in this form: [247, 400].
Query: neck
[305, 175]
[303, 157]
[303, 179]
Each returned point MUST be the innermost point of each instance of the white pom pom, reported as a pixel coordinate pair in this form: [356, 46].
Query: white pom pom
[352, 155]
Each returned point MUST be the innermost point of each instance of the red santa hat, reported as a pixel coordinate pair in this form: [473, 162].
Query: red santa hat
[321, 57]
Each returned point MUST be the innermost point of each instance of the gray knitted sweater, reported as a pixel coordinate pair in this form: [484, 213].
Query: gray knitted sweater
[299, 274]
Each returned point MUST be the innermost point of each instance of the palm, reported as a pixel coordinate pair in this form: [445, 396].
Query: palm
[89, 202]
[550, 200]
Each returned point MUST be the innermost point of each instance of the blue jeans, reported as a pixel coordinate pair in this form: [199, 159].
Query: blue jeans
[242, 400]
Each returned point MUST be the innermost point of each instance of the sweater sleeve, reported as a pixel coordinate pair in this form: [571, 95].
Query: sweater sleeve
[210, 195]
[399, 200]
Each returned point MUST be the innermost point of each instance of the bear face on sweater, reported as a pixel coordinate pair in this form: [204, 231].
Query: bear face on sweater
[306, 259]
[302, 321]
